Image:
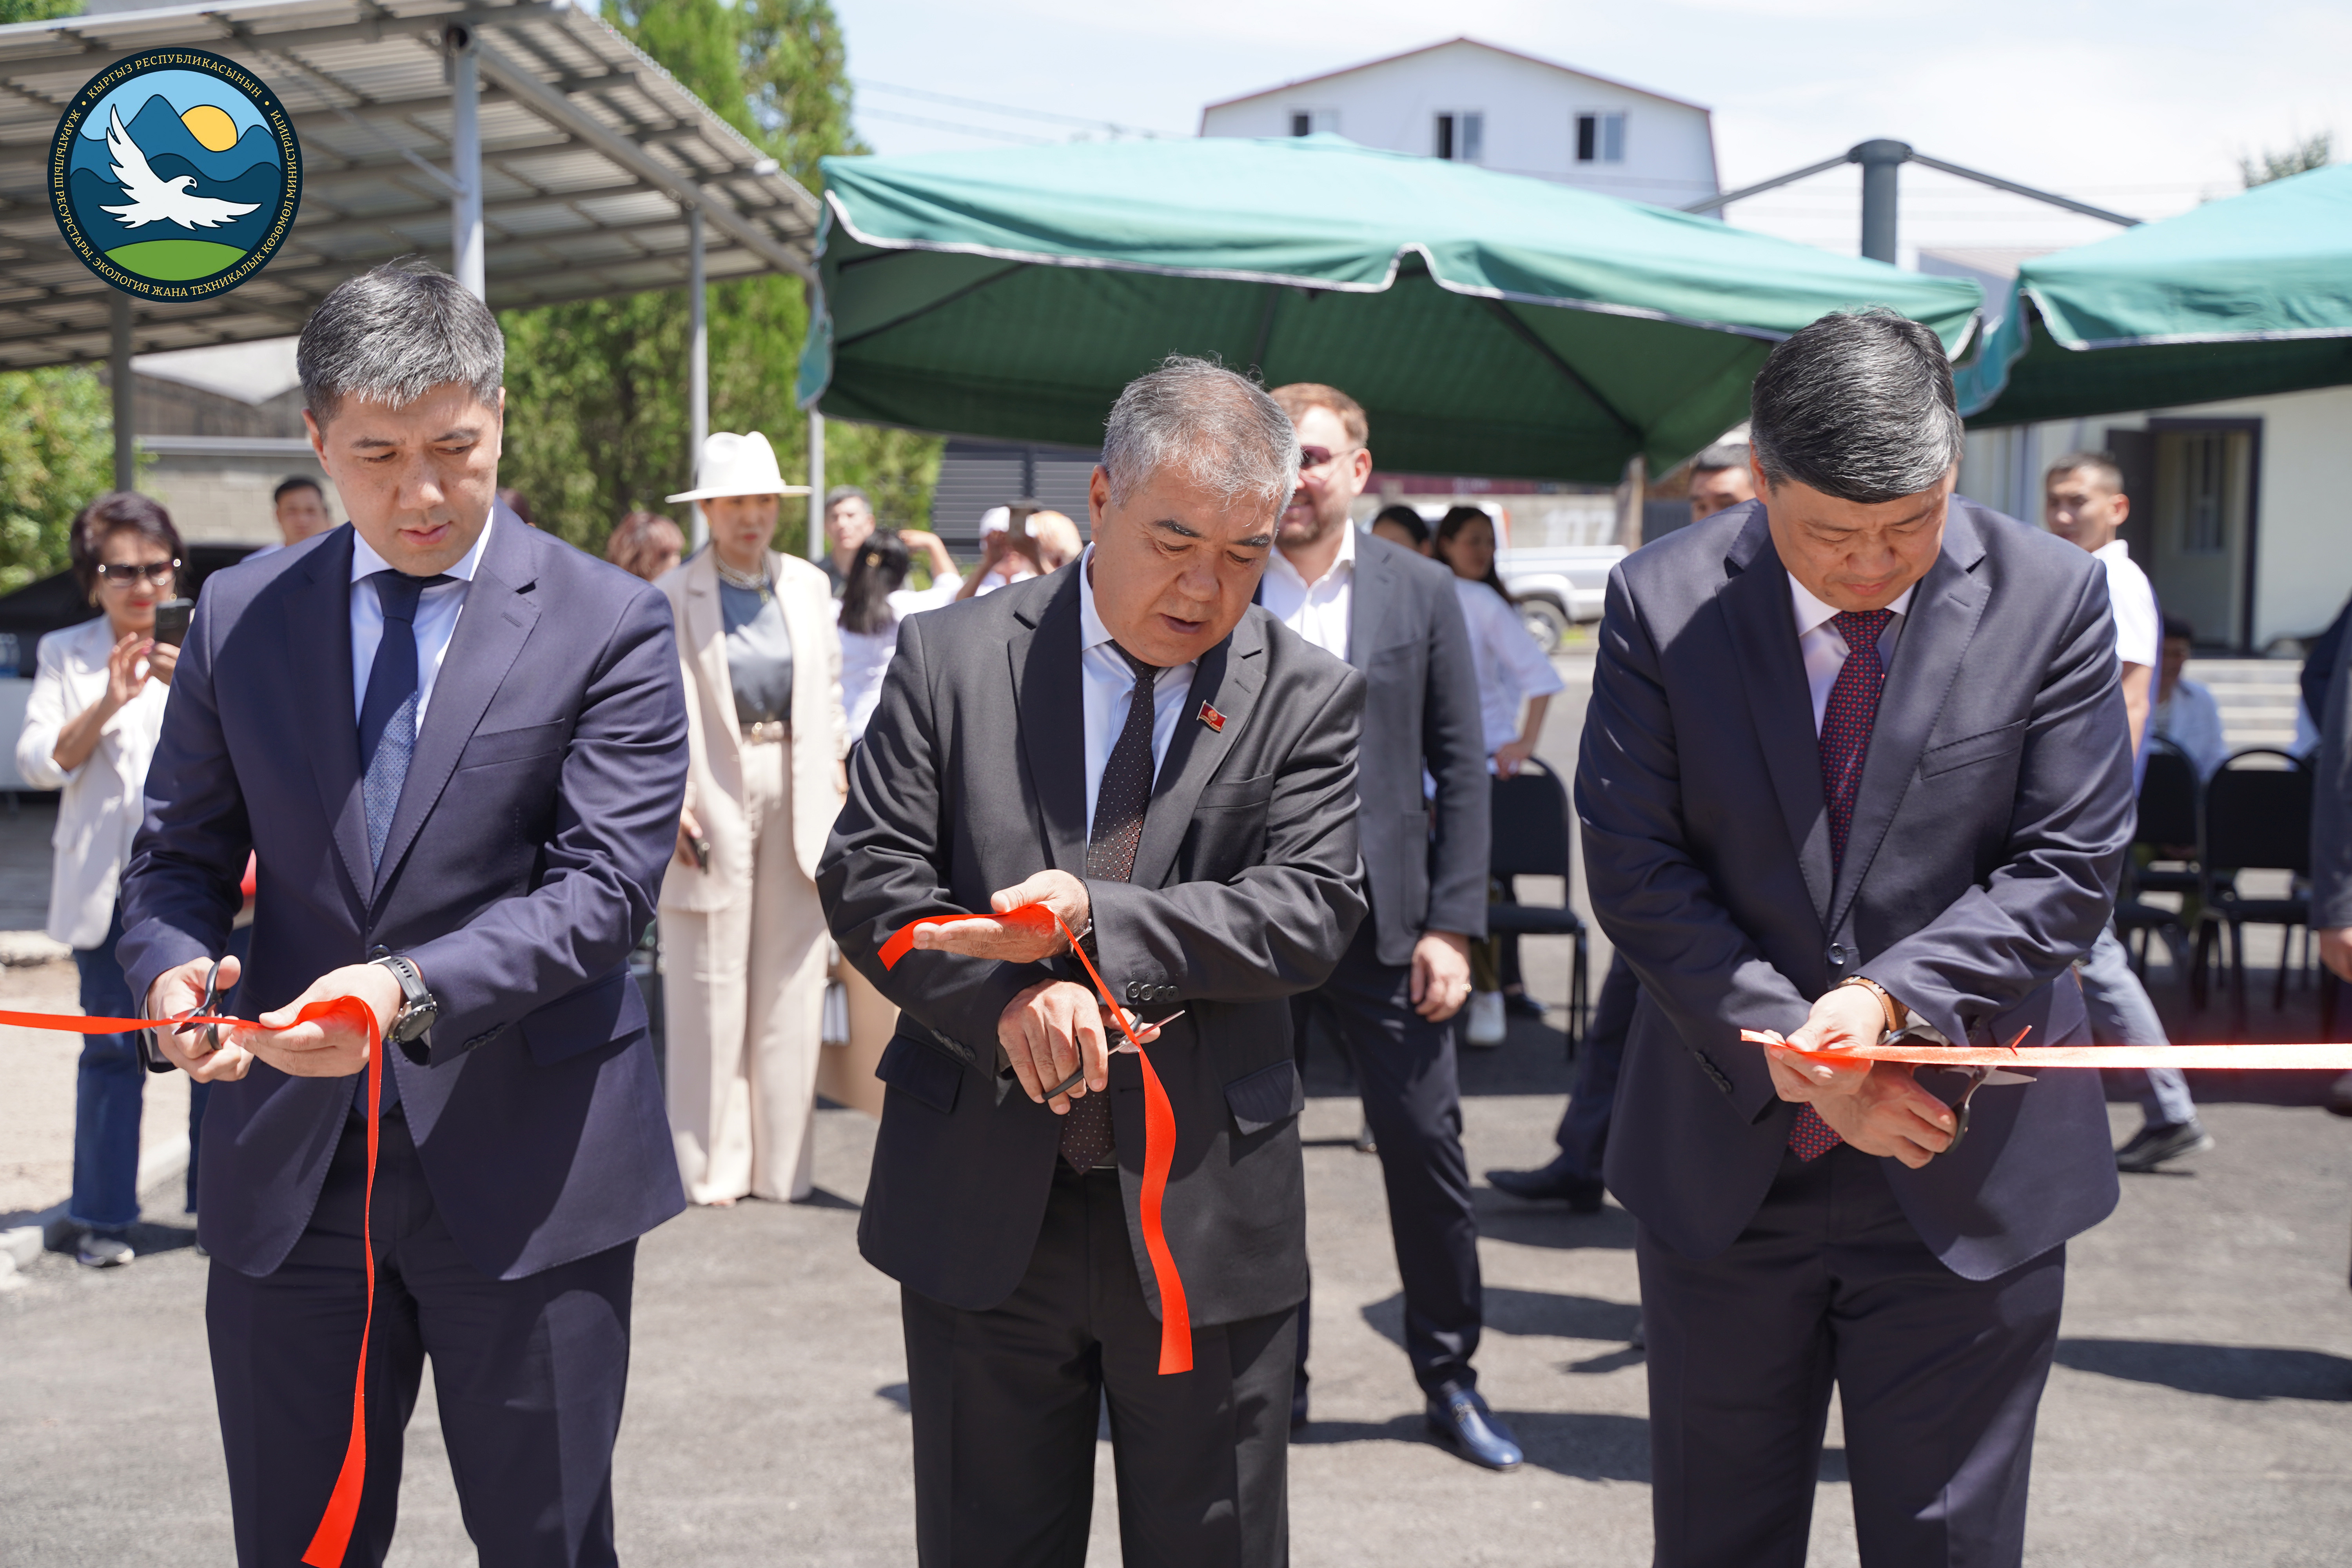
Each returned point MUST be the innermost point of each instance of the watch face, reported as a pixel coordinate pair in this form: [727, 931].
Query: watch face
[415, 1020]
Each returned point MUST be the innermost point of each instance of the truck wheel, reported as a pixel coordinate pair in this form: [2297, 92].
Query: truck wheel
[1546, 621]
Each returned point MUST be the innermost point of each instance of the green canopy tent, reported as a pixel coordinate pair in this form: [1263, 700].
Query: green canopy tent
[2234, 298]
[1491, 324]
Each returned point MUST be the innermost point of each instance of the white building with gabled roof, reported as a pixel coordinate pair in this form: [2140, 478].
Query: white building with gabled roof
[1503, 111]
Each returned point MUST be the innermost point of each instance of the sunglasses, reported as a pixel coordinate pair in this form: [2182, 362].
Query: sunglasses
[1317, 457]
[118, 576]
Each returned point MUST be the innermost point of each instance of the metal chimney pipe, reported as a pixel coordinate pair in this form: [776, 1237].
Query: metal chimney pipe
[1881, 162]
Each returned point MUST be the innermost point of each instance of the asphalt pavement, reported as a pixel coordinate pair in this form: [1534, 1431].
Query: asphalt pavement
[2197, 1416]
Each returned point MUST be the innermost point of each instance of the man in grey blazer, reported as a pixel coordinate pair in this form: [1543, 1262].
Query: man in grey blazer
[1132, 743]
[1855, 755]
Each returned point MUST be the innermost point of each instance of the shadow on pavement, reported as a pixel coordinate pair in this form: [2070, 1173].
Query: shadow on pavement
[1545, 1312]
[2225, 1371]
[1588, 1446]
[1502, 1217]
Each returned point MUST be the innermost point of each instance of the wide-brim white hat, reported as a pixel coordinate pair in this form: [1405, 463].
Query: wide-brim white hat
[736, 465]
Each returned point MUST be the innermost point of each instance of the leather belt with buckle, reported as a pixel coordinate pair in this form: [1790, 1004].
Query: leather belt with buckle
[766, 733]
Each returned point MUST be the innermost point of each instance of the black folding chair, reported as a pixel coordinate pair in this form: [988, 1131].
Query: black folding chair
[1531, 839]
[2168, 824]
[2255, 819]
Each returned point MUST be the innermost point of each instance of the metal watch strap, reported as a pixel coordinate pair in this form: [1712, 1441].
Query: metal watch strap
[1887, 1003]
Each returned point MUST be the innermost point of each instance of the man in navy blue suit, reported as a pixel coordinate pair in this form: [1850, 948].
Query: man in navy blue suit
[1855, 757]
[457, 747]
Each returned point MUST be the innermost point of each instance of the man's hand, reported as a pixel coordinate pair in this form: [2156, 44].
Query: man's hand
[2335, 951]
[331, 1050]
[1441, 974]
[176, 995]
[1874, 1105]
[1050, 1028]
[1060, 891]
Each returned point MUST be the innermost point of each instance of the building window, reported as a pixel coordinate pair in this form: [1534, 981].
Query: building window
[1600, 138]
[1460, 138]
[1314, 121]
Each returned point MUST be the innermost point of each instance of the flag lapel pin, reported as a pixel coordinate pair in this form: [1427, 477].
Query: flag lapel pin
[1213, 719]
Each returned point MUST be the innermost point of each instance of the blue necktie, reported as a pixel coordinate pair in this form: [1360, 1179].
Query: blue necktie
[388, 714]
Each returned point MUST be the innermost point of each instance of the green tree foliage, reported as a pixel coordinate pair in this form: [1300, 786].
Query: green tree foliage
[2312, 153]
[38, 10]
[57, 455]
[596, 392]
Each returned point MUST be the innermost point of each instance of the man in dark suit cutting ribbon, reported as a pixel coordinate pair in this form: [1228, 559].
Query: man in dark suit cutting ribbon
[1132, 743]
[457, 747]
[1855, 755]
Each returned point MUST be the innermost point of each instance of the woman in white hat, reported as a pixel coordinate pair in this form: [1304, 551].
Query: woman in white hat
[744, 945]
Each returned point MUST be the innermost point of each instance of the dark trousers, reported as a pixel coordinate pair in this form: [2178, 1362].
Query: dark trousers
[1938, 1377]
[1412, 1100]
[1583, 1134]
[529, 1374]
[1006, 1404]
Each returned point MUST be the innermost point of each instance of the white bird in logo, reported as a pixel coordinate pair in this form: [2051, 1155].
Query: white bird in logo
[155, 200]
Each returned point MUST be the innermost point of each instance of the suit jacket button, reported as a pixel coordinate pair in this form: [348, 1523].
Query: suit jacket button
[1838, 955]
[1166, 993]
[1134, 989]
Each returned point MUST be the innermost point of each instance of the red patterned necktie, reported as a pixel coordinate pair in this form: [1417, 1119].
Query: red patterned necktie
[1120, 802]
[1846, 722]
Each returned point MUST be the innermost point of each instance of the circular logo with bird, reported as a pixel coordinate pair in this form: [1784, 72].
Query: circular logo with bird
[175, 175]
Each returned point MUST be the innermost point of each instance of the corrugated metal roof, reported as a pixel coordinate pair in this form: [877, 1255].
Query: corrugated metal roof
[592, 154]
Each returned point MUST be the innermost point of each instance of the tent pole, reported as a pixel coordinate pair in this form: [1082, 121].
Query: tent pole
[466, 163]
[118, 364]
[816, 484]
[1631, 494]
[698, 370]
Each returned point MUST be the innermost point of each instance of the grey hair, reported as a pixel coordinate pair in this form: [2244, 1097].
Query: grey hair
[839, 493]
[1721, 456]
[1218, 429]
[394, 333]
[1858, 406]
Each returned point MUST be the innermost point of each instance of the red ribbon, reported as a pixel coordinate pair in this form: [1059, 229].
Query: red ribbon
[2296, 1058]
[334, 1534]
[1159, 1126]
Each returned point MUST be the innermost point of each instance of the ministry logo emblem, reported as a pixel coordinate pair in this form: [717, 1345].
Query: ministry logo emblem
[175, 175]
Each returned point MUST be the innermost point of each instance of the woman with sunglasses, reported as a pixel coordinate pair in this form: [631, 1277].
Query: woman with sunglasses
[90, 724]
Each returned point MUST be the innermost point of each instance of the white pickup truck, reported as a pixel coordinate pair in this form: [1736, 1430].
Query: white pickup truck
[1558, 585]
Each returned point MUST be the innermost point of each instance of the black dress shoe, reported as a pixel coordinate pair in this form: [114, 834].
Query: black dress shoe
[1556, 1181]
[1463, 1420]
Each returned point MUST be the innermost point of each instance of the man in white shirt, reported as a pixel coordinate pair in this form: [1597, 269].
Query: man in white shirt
[2185, 713]
[1394, 615]
[2084, 501]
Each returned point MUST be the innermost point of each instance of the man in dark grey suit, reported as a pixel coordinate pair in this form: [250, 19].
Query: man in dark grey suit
[1856, 755]
[1392, 1001]
[1133, 743]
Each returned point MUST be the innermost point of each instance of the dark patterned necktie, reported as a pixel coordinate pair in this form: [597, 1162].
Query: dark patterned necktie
[1119, 805]
[1846, 722]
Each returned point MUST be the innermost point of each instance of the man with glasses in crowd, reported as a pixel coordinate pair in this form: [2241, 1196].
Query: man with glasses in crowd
[1395, 616]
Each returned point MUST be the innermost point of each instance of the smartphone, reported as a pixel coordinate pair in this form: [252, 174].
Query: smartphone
[172, 620]
[701, 848]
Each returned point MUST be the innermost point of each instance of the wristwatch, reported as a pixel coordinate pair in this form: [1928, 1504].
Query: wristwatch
[1895, 1010]
[417, 1007]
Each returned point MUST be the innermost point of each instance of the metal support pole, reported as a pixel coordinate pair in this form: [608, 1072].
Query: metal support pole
[698, 366]
[816, 486]
[126, 424]
[466, 163]
[1881, 163]
[1632, 493]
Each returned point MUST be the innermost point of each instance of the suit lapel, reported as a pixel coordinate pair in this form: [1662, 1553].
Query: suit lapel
[1764, 630]
[1943, 619]
[491, 629]
[1049, 694]
[319, 659]
[706, 633]
[1228, 676]
[1368, 595]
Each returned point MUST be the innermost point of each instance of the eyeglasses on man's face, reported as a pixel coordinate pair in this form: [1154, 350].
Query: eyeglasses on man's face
[118, 574]
[1313, 458]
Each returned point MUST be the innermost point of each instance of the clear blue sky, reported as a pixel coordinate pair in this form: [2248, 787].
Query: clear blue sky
[2141, 107]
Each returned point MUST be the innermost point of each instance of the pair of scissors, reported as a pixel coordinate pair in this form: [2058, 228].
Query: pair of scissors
[1977, 1077]
[1079, 1077]
[211, 1032]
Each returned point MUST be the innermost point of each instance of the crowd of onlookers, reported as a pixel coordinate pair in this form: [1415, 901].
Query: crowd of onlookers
[760, 1016]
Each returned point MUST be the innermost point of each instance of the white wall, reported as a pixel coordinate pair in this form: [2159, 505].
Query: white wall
[1530, 111]
[2303, 526]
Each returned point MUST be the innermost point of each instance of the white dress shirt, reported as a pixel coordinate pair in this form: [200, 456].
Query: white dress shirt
[1318, 611]
[1109, 684]
[2191, 720]
[1824, 650]
[2139, 631]
[436, 618]
[1511, 667]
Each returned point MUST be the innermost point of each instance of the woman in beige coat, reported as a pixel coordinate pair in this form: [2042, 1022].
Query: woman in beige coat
[744, 945]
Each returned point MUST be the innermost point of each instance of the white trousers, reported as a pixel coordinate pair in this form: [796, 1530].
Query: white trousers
[743, 1000]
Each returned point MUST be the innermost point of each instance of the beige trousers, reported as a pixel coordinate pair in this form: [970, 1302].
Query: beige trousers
[743, 1000]
[846, 1077]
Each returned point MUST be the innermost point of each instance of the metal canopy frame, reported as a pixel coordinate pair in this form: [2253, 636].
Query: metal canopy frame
[592, 170]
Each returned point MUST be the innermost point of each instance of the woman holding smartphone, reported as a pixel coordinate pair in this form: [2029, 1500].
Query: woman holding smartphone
[91, 725]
